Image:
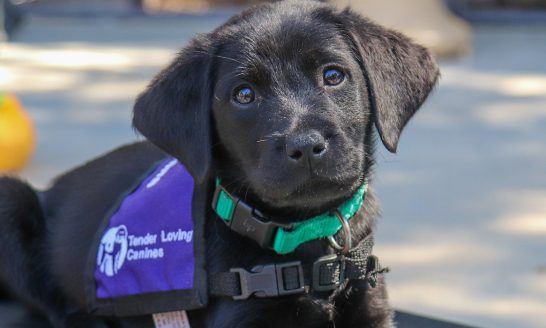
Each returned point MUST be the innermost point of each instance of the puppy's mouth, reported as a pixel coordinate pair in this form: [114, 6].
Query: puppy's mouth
[309, 196]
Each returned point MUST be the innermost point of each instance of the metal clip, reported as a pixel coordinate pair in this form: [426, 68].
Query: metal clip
[347, 244]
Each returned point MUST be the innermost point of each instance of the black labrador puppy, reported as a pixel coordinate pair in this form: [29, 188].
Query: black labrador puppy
[280, 103]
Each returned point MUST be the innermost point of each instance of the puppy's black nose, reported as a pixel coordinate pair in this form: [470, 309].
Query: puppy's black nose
[306, 148]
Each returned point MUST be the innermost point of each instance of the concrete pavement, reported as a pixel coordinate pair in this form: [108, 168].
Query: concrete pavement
[464, 227]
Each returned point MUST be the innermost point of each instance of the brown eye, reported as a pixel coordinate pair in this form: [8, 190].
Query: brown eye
[243, 95]
[333, 76]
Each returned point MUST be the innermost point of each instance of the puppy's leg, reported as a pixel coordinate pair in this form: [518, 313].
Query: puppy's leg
[360, 305]
[22, 250]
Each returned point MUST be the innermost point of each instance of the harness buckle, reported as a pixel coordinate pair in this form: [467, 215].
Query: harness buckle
[328, 273]
[290, 278]
[271, 280]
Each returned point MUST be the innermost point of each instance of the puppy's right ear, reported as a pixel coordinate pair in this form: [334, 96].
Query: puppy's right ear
[174, 111]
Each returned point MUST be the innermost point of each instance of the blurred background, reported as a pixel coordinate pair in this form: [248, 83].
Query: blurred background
[464, 200]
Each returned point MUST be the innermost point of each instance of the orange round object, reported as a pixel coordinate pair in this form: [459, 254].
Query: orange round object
[16, 134]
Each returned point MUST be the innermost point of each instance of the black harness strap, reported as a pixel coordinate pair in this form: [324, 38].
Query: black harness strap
[279, 279]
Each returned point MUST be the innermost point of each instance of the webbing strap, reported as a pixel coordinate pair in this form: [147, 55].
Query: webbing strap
[273, 280]
[282, 239]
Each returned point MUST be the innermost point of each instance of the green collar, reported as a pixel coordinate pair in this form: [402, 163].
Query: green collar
[282, 238]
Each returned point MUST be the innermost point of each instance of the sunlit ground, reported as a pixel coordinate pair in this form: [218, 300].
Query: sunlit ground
[464, 227]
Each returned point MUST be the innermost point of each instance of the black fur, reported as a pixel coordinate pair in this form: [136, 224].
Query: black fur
[279, 50]
[181, 95]
[399, 73]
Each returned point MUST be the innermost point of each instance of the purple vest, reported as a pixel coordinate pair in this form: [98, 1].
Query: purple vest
[145, 254]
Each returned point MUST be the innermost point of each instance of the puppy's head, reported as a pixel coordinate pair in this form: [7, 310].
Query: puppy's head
[281, 100]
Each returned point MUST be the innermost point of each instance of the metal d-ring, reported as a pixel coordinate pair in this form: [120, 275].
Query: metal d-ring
[347, 244]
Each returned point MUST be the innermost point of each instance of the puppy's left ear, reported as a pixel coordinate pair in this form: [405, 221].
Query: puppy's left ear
[174, 111]
[400, 74]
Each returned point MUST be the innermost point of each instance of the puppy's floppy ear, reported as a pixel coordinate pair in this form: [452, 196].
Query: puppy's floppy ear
[174, 111]
[400, 74]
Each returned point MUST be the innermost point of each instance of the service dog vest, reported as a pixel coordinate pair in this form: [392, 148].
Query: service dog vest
[149, 255]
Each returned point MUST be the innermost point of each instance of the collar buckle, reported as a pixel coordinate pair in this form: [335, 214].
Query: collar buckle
[245, 220]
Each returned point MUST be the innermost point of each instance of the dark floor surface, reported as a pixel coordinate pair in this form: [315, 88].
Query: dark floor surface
[15, 316]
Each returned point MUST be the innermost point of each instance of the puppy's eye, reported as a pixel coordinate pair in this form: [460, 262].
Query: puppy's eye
[333, 76]
[243, 95]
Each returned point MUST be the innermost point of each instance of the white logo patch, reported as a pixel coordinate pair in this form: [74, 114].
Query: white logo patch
[113, 250]
[177, 319]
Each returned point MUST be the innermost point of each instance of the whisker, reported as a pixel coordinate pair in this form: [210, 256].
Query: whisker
[221, 57]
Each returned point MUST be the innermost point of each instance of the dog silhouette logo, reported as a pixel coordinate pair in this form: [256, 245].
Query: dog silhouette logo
[113, 250]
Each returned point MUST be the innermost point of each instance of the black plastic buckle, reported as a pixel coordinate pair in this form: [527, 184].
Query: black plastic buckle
[321, 264]
[246, 221]
[269, 280]
[249, 222]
